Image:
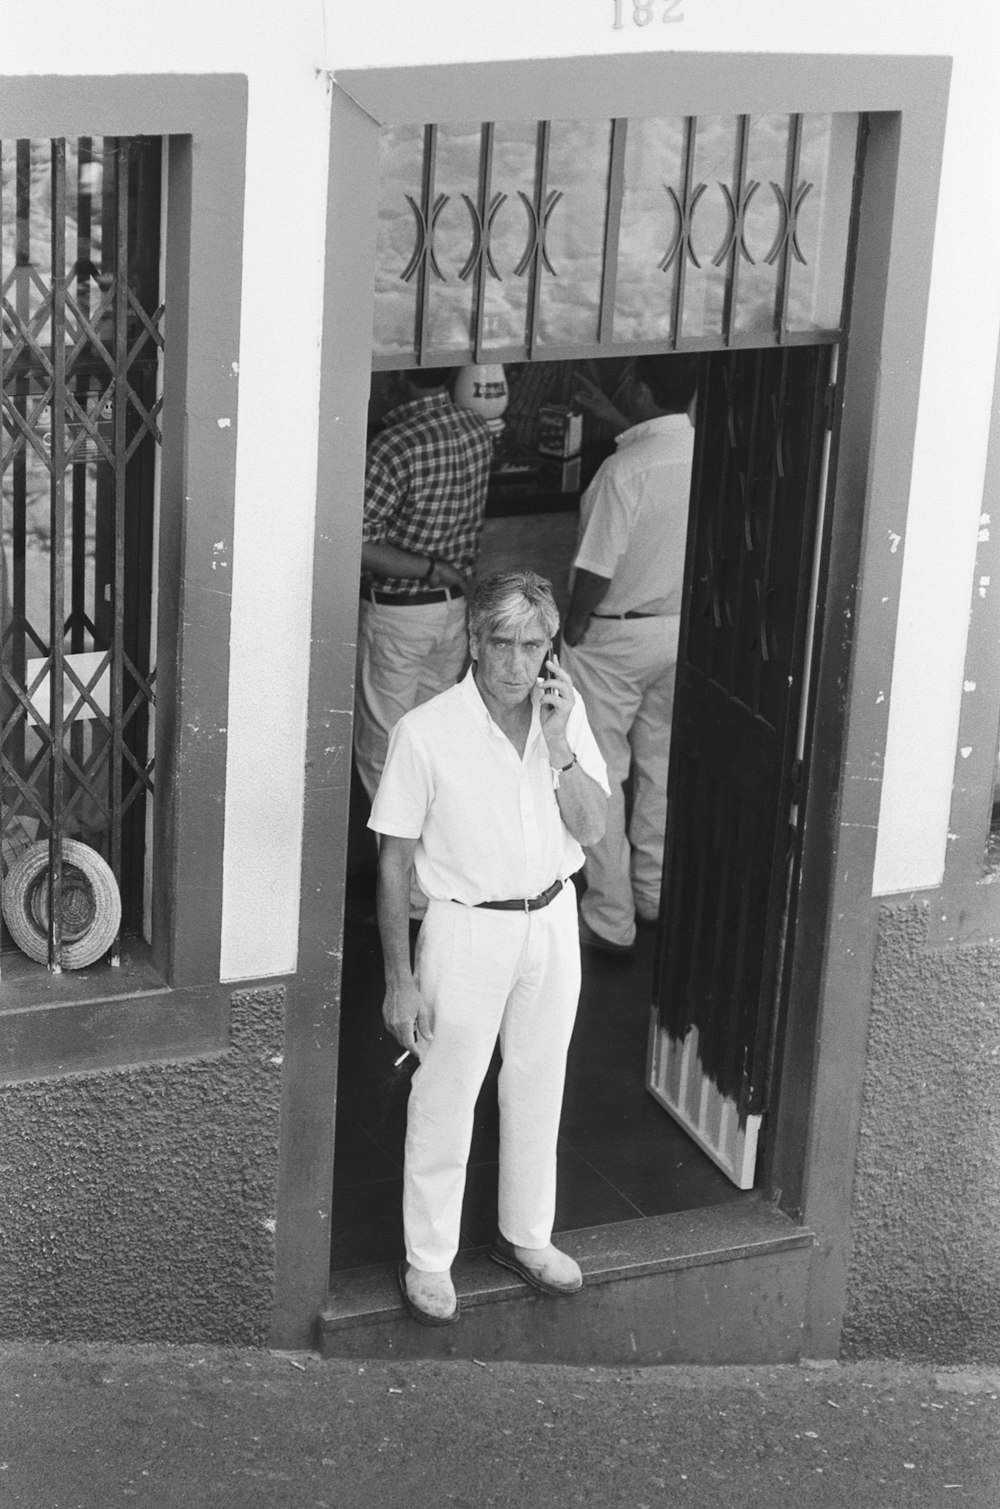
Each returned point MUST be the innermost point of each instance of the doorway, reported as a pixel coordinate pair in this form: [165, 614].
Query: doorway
[760, 437]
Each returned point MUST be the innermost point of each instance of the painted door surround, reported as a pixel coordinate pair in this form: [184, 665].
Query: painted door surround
[812, 1141]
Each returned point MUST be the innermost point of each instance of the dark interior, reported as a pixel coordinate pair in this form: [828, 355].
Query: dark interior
[621, 1155]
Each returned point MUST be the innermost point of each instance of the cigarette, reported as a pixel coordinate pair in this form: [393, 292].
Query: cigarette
[401, 1059]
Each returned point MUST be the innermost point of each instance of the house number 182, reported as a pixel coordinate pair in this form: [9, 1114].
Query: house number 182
[642, 12]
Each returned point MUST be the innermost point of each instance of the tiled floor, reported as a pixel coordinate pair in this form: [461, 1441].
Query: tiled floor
[621, 1155]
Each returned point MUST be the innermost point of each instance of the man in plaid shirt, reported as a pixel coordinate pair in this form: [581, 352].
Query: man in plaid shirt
[426, 478]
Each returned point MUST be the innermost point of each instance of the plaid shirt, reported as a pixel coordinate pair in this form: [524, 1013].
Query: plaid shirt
[425, 485]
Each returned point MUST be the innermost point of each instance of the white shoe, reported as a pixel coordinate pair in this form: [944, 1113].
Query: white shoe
[547, 1268]
[429, 1298]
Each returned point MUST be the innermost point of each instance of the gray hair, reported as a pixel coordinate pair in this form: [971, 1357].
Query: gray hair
[509, 600]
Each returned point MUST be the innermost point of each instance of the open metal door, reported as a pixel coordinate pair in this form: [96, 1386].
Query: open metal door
[733, 767]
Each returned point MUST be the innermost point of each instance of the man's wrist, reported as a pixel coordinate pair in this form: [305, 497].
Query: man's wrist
[561, 757]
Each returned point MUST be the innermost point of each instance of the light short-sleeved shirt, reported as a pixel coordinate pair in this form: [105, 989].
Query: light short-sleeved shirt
[487, 821]
[633, 517]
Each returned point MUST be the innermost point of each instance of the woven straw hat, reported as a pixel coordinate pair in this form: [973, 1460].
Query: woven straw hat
[90, 906]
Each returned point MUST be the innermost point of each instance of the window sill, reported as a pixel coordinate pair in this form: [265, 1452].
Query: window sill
[101, 1018]
[25, 985]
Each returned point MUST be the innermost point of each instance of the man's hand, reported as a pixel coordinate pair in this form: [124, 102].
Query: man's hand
[588, 396]
[447, 575]
[558, 697]
[403, 1010]
[583, 803]
[406, 1017]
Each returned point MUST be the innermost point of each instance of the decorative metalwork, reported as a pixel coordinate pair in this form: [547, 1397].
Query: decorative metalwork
[539, 224]
[692, 292]
[738, 212]
[81, 335]
[423, 252]
[481, 238]
[789, 231]
[685, 224]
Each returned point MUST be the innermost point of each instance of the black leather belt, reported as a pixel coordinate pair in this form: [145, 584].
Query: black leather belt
[527, 903]
[630, 614]
[410, 599]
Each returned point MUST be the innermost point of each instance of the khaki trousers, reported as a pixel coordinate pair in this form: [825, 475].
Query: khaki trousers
[625, 671]
[405, 657]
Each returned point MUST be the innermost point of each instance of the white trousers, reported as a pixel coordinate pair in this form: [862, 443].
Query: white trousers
[405, 657]
[625, 671]
[484, 975]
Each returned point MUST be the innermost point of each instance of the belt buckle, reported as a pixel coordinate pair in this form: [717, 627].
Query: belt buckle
[527, 905]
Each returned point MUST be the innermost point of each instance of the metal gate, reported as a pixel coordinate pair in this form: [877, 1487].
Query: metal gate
[79, 390]
[755, 500]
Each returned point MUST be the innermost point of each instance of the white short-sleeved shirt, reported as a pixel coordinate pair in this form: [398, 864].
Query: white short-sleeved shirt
[633, 517]
[487, 822]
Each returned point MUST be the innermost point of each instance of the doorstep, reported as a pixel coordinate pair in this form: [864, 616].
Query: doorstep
[724, 1284]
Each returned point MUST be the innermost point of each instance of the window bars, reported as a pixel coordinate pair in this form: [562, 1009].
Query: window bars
[506, 241]
[79, 390]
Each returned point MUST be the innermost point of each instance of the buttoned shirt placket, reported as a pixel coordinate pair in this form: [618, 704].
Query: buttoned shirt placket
[531, 846]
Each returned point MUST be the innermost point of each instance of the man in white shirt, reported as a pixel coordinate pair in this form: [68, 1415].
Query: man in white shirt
[621, 635]
[489, 790]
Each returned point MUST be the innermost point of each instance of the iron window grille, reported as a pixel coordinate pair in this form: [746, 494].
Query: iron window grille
[81, 338]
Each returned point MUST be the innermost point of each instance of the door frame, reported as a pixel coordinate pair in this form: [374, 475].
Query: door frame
[811, 1150]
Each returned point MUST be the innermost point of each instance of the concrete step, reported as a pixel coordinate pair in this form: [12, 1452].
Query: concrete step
[725, 1284]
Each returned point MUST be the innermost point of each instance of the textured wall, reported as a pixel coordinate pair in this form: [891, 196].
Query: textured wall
[138, 1204]
[925, 1270]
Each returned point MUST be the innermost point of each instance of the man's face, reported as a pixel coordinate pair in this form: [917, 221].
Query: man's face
[509, 661]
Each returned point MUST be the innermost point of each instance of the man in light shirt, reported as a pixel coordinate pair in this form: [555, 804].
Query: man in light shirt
[621, 634]
[488, 792]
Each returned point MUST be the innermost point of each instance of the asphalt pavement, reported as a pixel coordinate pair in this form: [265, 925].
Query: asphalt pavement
[94, 1426]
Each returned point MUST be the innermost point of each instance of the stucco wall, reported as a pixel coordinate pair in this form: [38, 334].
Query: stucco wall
[925, 1268]
[138, 1205]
